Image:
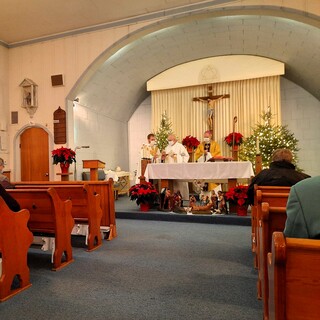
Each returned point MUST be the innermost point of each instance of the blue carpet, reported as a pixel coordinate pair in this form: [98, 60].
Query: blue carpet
[152, 270]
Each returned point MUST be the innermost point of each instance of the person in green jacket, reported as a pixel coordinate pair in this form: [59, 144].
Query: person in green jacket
[303, 216]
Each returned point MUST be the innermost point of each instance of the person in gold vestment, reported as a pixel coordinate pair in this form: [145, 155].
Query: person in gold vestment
[205, 150]
[206, 147]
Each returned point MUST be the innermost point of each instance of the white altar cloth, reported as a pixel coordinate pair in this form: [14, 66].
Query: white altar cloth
[213, 171]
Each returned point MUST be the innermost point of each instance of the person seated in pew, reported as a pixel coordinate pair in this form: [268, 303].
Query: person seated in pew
[281, 172]
[4, 181]
[9, 200]
[303, 219]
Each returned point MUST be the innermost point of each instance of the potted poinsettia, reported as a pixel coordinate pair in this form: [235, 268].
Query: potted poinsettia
[144, 194]
[239, 196]
[64, 156]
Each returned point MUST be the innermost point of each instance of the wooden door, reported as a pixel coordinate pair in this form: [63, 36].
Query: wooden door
[34, 152]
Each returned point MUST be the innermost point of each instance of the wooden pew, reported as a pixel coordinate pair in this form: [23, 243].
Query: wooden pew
[294, 278]
[86, 208]
[272, 219]
[103, 188]
[15, 240]
[254, 213]
[50, 216]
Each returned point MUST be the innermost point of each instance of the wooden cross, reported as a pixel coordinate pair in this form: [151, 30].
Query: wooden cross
[211, 100]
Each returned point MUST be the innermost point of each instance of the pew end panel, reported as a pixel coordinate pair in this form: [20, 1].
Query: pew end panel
[15, 240]
[264, 194]
[94, 220]
[49, 216]
[276, 200]
[106, 192]
[294, 278]
[272, 219]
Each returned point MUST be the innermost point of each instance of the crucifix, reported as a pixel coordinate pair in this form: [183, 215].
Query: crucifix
[211, 100]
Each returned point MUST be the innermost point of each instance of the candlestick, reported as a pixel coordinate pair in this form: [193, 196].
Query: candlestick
[258, 147]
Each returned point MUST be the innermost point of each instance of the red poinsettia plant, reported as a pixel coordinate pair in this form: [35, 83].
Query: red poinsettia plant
[238, 139]
[63, 155]
[238, 195]
[144, 193]
[190, 142]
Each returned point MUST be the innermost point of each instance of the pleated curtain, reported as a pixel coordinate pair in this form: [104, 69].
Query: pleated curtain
[248, 100]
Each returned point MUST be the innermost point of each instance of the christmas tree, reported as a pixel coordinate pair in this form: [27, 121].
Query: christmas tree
[163, 132]
[270, 137]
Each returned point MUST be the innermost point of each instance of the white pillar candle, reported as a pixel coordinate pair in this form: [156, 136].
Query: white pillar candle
[258, 147]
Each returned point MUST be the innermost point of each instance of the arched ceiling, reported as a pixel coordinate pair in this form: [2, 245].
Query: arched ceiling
[118, 84]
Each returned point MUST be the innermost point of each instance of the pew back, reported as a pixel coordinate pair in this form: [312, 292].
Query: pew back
[86, 208]
[294, 278]
[103, 188]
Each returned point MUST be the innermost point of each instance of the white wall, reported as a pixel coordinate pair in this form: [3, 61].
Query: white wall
[107, 138]
[139, 126]
[4, 103]
[69, 56]
[301, 113]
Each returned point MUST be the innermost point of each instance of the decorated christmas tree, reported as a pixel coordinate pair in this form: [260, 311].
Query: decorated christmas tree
[163, 132]
[270, 137]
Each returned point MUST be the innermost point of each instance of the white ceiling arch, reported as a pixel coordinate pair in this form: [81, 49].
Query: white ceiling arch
[115, 84]
[215, 70]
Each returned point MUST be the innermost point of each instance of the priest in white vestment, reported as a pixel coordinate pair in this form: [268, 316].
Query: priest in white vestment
[175, 152]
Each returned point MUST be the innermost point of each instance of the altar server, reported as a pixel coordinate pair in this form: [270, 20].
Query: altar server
[150, 150]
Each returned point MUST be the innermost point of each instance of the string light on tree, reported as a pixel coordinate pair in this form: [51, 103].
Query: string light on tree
[266, 138]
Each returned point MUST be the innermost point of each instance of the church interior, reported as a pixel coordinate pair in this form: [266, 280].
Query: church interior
[97, 77]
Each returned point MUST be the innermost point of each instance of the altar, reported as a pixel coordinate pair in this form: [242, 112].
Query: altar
[218, 172]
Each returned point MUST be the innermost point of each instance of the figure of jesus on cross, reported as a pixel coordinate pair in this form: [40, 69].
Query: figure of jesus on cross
[211, 100]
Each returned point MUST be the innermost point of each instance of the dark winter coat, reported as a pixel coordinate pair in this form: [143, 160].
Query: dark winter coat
[280, 173]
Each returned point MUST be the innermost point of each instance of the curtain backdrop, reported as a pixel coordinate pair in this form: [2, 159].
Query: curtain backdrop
[248, 100]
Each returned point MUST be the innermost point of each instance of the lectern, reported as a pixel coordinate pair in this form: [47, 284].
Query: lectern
[144, 163]
[93, 165]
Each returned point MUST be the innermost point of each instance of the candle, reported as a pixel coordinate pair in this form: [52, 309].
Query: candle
[258, 149]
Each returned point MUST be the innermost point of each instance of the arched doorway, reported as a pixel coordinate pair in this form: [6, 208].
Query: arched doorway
[34, 154]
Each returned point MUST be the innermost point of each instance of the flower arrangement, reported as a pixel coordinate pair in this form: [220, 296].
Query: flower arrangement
[238, 195]
[144, 193]
[238, 139]
[63, 155]
[190, 142]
